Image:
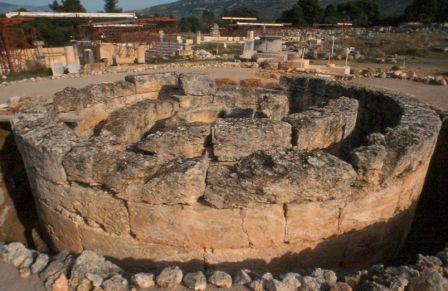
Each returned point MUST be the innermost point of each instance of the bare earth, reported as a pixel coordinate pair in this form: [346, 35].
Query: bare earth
[436, 96]
[47, 88]
[11, 281]
[433, 95]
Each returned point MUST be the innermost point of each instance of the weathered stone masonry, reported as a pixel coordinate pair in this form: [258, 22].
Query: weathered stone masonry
[164, 169]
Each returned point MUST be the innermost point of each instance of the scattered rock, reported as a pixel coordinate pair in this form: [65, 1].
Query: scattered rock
[220, 279]
[143, 280]
[169, 278]
[341, 286]
[429, 280]
[242, 278]
[195, 281]
[40, 263]
[292, 280]
[115, 283]
[16, 254]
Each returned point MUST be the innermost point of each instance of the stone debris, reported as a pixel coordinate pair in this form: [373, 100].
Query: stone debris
[195, 281]
[90, 271]
[220, 279]
[236, 138]
[242, 278]
[143, 280]
[169, 278]
[115, 283]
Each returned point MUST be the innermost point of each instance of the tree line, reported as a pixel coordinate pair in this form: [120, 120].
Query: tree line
[56, 32]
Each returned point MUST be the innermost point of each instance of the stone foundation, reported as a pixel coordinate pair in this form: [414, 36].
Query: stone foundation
[203, 175]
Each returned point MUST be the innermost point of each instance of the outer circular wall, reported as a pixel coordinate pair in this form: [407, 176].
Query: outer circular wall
[358, 228]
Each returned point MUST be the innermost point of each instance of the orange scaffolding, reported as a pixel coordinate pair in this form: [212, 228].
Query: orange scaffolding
[16, 42]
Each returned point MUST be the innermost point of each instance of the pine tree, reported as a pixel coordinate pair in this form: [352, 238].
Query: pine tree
[111, 6]
[67, 6]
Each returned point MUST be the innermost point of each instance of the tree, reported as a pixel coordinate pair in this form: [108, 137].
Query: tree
[312, 11]
[241, 11]
[331, 15]
[427, 10]
[111, 6]
[359, 12]
[189, 24]
[67, 6]
[208, 19]
[293, 16]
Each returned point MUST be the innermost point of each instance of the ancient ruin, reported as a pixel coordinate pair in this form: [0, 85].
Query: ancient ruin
[170, 168]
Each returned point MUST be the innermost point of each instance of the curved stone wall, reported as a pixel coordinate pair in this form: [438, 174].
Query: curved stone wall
[168, 168]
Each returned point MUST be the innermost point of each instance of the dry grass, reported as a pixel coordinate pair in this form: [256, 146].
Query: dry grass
[251, 83]
[225, 82]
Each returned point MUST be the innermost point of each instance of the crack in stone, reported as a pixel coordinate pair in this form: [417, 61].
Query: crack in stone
[243, 217]
[285, 215]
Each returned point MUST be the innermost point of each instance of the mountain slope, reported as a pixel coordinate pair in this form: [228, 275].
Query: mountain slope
[270, 9]
[7, 7]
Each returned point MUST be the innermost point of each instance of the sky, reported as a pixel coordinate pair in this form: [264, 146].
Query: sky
[95, 5]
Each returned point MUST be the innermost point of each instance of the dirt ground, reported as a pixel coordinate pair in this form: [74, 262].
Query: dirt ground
[11, 281]
[47, 87]
[432, 95]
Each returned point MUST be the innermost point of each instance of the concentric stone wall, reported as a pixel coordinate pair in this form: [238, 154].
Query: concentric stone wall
[168, 168]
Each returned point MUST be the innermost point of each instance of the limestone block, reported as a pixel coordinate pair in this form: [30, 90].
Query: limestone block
[178, 182]
[196, 84]
[264, 226]
[89, 162]
[276, 177]
[273, 106]
[187, 226]
[130, 123]
[312, 221]
[187, 101]
[131, 169]
[225, 96]
[154, 82]
[368, 162]
[239, 137]
[206, 114]
[43, 141]
[72, 99]
[85, 205]
[145, 256]
[319, 128]
[185, 140]
[371, 207]
[63, 232]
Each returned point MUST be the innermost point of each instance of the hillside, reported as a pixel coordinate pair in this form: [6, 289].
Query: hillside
[268, 9]
[7, 7]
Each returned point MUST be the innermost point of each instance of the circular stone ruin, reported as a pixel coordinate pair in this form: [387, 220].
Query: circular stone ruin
[165, 169]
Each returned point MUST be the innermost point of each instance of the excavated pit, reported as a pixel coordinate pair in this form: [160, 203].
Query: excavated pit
[165, 169]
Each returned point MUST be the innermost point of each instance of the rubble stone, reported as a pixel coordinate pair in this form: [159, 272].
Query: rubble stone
[169, 278]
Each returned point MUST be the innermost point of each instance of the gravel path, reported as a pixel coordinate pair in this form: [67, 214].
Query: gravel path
[11, 281]
[48, 87]
[430, 94]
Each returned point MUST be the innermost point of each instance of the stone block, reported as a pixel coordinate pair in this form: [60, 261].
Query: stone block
[193, 226]
[72, 99]
[273, 106]
[277, 177]
[129, 124]
[320, 128]
[186, 101]
[239, 137]
[196, 84]
[155, 82]
[177, 182]
[185, 140]
[264, 226]
[312, 221]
